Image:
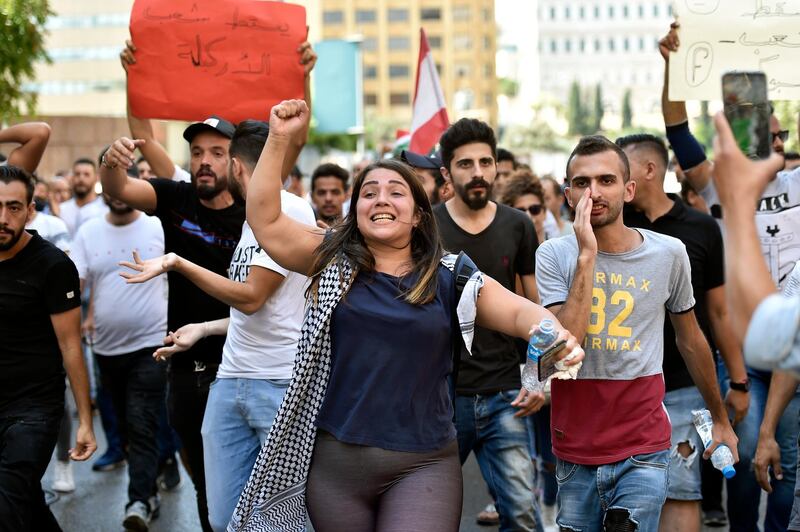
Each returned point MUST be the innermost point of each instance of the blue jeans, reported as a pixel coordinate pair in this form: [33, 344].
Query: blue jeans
[239, 414]
[593, 497]
[541, 447]
[684, 472]
[743, 488]
[487, 426]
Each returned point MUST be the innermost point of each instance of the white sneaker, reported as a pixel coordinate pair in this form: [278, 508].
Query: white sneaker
[549, 513]
[63, 480]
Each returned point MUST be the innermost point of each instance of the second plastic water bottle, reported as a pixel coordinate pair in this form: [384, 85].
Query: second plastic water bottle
[721, 458]
[543, 338]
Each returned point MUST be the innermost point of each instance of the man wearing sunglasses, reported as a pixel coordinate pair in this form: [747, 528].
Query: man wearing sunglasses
[652, 208]
[777, 221]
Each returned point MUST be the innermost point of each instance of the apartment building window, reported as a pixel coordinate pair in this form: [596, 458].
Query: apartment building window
[397, 15]
[370, 71]
[332, 17]
[398, 71]
[365, 15]
[461, 13]
[399, 98]
[552, 13]
[553, 46]
[625, 11]
[399, 43]
[669, 10]
[596, 12]
[462, 70]
[435, 41]
[439, 69]
[641, 11]
[582, 45]
[88, 21]
[488, 98]
[597, 45]
[611, 44]
[626, 44]
[581, 12]
[487, 70]
[641, 44]
[567, 45]
[487, 14]
[610, 11]
[656, 10]
[430, 13]
[462, 42]
[369, 44]
[370, 99]
[567, 13]
[487, 42]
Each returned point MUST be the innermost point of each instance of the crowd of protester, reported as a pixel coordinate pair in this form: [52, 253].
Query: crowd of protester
[317, 349]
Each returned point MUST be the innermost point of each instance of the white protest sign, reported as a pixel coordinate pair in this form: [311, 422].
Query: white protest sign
[721, 35]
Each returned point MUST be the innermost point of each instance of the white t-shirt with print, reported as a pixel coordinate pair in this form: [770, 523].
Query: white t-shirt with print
[52, 229]
[777, 222]
[263, 345]
[75, 216]
[127, 317]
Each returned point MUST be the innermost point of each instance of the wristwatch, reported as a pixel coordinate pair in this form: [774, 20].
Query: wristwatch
[104, 162]
[741, 386]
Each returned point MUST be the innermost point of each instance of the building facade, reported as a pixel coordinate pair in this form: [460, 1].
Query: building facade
[462, 36]
[613, 43]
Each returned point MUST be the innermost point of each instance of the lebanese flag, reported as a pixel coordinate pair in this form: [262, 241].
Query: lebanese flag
[429, 119]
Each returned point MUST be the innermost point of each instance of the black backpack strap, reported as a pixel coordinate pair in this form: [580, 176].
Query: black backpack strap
[462, 271]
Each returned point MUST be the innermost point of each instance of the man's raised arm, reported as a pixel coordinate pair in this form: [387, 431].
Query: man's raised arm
[137, 193]
[32, 137]
[689, 152]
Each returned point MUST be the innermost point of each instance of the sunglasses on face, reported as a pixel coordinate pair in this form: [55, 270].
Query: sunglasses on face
[535, 210]
[783, 134]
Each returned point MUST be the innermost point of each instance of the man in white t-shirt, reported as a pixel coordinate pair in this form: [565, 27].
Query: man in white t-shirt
[267, 303]
[130, 322]
[52, 229]
[85, 203]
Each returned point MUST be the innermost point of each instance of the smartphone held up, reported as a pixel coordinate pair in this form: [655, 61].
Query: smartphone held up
[744, 95]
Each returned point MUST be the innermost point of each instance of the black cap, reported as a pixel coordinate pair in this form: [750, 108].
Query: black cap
[430, 162]
[212, 123]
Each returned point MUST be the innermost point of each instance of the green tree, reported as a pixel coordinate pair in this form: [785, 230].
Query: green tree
[627, 110]
[597, 109]
[21, 46]
[576, 111]
[704, 129]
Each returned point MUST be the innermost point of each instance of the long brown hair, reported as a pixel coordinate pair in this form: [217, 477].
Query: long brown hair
[346, 243]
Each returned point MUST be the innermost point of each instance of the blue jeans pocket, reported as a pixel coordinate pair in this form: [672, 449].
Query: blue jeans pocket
[565, 470]
[659, 460]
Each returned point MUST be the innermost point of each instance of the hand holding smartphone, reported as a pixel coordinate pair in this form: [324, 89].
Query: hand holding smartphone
[744, 95]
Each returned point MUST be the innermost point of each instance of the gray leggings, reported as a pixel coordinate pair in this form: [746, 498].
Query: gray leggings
[364, 489]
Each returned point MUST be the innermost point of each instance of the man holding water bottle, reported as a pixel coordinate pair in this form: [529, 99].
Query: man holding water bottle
[611, 286]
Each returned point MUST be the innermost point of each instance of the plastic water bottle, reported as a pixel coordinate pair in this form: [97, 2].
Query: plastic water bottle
[543, 338]
[721, 458]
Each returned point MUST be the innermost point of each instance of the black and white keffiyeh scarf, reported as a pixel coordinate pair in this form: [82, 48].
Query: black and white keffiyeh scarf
[273, 499]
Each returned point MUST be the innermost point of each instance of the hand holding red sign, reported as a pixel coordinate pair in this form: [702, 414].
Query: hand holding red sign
[195, 58]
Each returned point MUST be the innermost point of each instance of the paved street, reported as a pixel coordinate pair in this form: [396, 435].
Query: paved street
[97, 505]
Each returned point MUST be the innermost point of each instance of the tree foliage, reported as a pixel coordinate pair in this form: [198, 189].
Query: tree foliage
[21, 46]
[577, 112]
[627, 110]
[597, 109]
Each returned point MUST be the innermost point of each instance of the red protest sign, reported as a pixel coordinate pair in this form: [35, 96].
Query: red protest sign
[231, 58]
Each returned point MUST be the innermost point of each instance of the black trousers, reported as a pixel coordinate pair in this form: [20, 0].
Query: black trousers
[27, 440]
[137, 385]
[186, 406]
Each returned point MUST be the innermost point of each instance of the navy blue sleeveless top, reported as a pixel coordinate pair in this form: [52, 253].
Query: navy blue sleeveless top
[390, 362]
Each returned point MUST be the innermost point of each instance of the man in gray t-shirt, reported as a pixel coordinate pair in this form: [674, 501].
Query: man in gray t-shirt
[611, 286]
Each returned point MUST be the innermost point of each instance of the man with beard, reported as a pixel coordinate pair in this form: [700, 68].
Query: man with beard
[490, 402]
[267, 303]
[612, 287]
[130, 322]
[85, 203]
[40, 328]
[202, 222]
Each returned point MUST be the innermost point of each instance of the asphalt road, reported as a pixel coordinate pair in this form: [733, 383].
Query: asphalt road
[98, 503]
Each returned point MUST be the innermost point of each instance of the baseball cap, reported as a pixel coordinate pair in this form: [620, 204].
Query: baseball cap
[430, 162]
[212, 123]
